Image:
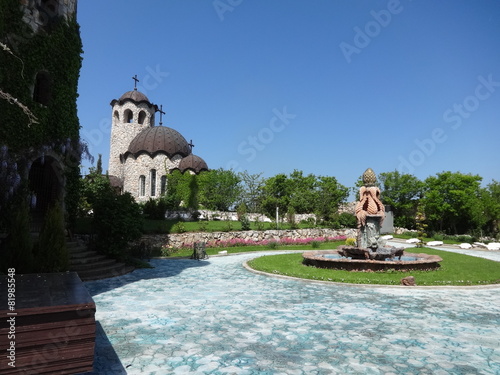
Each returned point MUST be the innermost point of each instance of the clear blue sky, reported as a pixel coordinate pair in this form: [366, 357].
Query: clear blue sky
[329, 87]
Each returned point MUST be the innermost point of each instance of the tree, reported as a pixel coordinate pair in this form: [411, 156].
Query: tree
[452, 202]
[490, 197]
[402, 192]
[219, 189]
[252, 193]
[330, 194]
[276, 194]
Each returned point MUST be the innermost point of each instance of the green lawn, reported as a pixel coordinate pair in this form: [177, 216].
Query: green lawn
[242, 249]
[456, 269]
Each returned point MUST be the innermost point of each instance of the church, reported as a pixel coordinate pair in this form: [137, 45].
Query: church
[142, 154]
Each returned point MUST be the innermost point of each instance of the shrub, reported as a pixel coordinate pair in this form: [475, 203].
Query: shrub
[315, 244]
[155, 209]
[228, 227]
[350, 241]
[259, 225]
[245, 222]
[347, 220]
[273, 245]
[179, 227]
[18, 250]
[52, 253]
[203, 226]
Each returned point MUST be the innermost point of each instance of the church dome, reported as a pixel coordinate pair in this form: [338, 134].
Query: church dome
[135, 96]
[159, 139]
[193, 163]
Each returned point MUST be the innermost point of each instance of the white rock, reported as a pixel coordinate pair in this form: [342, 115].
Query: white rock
[435, 243]
[493, 246]
[387, 237]
[480, 244]
[413, 240]
[465, 246]
[223, 252]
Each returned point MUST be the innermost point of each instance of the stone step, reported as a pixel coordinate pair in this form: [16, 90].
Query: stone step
[87, 260]
[83, 254]
[117, 269]
[77, 267]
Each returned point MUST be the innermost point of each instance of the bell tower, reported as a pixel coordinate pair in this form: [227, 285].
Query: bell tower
[131, 114]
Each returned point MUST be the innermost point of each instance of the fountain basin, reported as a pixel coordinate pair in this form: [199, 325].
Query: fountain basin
[333, 260]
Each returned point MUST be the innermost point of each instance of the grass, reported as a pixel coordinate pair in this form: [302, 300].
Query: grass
[456, 269]
[242, 249]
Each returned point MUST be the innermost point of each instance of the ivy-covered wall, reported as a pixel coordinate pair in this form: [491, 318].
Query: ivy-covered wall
[55, 51]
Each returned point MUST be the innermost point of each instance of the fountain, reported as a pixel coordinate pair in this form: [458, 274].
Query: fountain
[371, 252]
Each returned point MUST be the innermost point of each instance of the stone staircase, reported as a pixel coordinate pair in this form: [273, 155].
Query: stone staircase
[92, 266]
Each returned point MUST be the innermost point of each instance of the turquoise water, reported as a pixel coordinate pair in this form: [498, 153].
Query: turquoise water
[216, 317]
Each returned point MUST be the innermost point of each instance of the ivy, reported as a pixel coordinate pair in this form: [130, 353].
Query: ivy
[23, 55]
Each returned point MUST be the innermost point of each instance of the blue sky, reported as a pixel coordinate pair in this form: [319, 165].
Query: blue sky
[329, 87]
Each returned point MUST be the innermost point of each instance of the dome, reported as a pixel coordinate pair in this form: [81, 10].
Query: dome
[159, 139]
[134, 95]
[193, 163]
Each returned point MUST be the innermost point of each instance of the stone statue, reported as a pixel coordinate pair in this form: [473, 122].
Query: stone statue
[370, 212]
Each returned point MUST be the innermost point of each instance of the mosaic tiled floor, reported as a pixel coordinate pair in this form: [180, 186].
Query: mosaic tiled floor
[215, 317]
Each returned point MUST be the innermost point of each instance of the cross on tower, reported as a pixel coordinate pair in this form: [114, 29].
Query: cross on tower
[190, 144]
[161, 114]
[136, 80]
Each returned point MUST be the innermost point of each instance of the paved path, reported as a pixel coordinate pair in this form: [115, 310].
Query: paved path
[215, 317]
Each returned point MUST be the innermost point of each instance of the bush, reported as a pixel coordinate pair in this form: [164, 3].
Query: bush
[273, 245]
[52, 253]
[245, 222]
[315, 244]
[350, 241]
[18, 247]
[155, 209]
[259, 225]
[179, 227]
[228, 227]
[203, 226]
[347, 220]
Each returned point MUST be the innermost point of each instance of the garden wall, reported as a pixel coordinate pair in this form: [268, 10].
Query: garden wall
[187, 239]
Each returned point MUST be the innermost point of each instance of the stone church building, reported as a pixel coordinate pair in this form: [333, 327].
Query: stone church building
[142, 154]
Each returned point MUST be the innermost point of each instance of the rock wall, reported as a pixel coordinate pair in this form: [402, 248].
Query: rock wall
[187, 239]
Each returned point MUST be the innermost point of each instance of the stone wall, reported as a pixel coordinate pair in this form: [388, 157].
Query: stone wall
[187, 239]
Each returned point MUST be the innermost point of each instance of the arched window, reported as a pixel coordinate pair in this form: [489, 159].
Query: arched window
[142, 117]
[153, 182]
[163, 186]
[142, 186]
[42, 92]
[117, 116]
[129, 116]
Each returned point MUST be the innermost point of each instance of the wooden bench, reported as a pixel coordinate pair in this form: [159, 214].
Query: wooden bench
[54, 325]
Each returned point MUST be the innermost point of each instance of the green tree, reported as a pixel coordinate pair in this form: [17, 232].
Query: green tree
[452, 202]
[252, 190]
[219, 189]
[276, 194]
[330, 194]
[302, 192]
[402, 192]
[490, 197]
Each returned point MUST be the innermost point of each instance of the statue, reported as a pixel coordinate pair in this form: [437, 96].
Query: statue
[370, 212]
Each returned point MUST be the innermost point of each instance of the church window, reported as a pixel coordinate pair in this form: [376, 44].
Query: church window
[129, 116]
[142, 117]
[163, 186]
[153, 182]
[117, 116]
[142, 186]
[43, 88]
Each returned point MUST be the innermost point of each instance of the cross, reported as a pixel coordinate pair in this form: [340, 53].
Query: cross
[161, 113]
[136, 80]
[190, 144]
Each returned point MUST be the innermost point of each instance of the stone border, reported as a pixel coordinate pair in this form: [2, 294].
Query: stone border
[385, 286]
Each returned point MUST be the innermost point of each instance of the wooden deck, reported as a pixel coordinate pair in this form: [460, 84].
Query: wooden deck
[54, 325]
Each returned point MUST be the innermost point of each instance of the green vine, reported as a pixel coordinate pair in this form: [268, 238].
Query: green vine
[23, 55]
